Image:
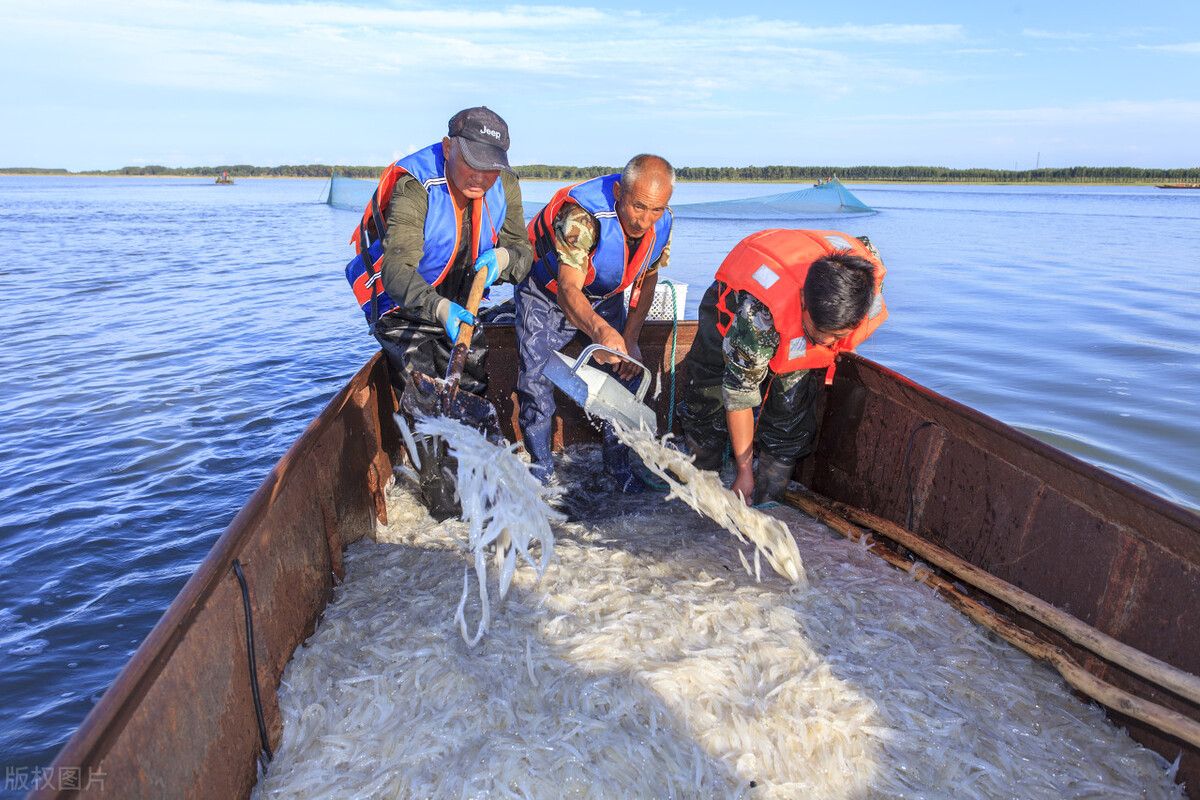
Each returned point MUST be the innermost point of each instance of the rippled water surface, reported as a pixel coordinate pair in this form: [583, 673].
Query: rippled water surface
[165, 340]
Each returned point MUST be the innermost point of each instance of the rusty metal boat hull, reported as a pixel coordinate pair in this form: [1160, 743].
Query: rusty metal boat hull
[179, 720]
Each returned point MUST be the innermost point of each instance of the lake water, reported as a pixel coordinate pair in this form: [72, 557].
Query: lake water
[165, 340]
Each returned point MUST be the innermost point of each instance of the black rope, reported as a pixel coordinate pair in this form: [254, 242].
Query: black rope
[364, 252]
[377, 218]
[908, 470]
[262, 725]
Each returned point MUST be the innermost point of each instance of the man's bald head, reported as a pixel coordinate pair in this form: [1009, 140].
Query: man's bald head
[654, 169]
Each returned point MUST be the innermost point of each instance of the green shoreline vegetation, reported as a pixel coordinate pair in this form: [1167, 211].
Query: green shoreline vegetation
[774, 174]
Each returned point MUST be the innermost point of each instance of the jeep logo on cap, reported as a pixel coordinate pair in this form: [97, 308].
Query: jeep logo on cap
[494, 134]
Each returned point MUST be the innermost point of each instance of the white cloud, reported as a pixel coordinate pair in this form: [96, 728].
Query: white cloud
[753, 29]
[1065, 35]
[247, 47]
[1189, 48]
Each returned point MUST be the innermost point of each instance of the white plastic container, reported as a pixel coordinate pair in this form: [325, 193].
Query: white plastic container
[670, 298]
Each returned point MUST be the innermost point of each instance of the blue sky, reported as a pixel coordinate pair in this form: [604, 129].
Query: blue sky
[100, 85]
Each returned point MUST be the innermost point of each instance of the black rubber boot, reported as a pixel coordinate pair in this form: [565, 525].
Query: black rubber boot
[710, 458]
[771, 479]
[615, 457]
[536, 441]
[439, 487]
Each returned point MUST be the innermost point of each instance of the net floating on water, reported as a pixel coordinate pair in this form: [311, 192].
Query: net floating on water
[828, 198]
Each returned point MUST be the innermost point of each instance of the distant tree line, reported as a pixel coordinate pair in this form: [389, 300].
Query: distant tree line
[31, 171]
[876, 174]
[783, 174]
[248, 171]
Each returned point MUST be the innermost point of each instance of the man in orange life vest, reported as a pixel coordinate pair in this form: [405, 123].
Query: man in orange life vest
[784, 304]
[591, 242]
[437, 217]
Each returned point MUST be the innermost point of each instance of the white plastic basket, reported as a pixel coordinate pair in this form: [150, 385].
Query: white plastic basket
[667, 304]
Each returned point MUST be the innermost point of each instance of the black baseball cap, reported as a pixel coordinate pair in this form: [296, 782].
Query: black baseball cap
[482, 138]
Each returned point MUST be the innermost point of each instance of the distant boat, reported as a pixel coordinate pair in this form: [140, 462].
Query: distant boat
[224, 178]
[1179, 185]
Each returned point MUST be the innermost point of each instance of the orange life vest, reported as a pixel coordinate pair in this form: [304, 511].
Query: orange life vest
[772, 265]
[611, 267]
[443, 226]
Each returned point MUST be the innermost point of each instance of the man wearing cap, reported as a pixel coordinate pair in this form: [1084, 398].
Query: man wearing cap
[591, 242]
[436, 218]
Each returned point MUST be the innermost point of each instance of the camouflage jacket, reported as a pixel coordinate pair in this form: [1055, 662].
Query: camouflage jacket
[575, 233]
[748, 347]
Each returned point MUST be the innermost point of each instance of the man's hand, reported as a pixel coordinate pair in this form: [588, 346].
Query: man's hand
[609, 337]
[488, 261]
[743, 485]
[741, 442]
[455, 316]
[627, 369]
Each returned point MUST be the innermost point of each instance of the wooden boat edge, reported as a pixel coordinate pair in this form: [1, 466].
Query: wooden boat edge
[141, 757]
[120, 733]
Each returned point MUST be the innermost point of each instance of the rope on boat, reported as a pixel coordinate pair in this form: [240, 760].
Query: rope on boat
[258, 712]
[908, 469]
[645, 475]
[674, 342]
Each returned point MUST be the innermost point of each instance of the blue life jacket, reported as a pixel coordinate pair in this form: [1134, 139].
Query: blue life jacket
[611, 268]
[443, 226]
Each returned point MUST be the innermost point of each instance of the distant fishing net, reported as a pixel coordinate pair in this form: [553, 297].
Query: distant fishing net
[353, 194]
[828, 198]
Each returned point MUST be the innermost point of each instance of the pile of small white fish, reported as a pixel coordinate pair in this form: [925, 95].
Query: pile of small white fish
[503, 505]
[646, 663]
[704, 491]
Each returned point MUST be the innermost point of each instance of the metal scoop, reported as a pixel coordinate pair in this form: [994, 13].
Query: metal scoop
[600, 394]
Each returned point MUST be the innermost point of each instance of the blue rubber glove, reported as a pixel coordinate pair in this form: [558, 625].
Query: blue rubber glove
[488, 260]
[456, 315]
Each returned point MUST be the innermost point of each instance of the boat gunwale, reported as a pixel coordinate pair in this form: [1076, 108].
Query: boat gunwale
[1031, 445]
[103, 724]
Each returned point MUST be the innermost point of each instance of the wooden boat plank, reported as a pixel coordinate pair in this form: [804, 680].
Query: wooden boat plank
[179, 720]
[1152, 517]
[986, 488]
[1158, 611]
